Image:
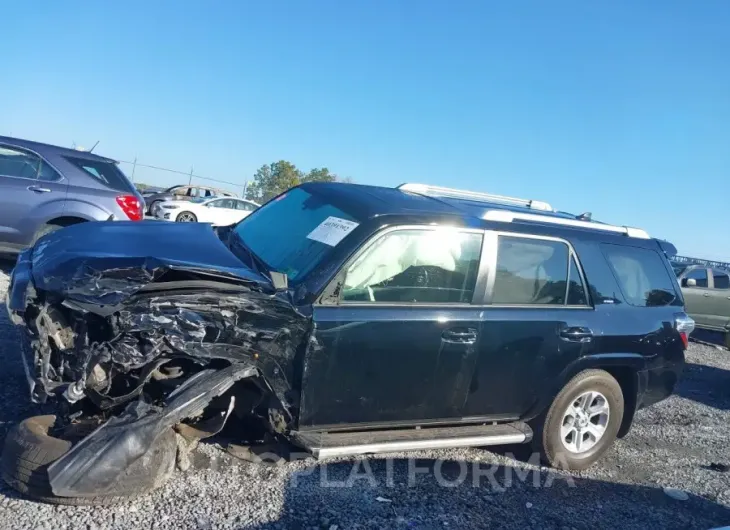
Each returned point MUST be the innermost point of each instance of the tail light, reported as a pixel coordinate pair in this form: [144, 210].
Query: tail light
[131, 206]
[684, 325]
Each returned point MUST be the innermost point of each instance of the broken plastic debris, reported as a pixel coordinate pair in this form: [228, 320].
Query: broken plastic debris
[677, 495]
[528, 505]
[382, 499]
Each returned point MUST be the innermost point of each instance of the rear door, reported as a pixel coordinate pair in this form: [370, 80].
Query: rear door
[244, 209]
[697, 297]
[718, 303]
[536, 319]
[400, 343]
[29, 189]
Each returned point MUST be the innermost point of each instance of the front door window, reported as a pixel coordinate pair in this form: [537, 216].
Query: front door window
[416, 266]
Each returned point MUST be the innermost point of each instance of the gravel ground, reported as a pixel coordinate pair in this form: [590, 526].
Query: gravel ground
[673, 444]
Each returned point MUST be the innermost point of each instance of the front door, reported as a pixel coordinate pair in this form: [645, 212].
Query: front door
[697, 297]
[401, 343]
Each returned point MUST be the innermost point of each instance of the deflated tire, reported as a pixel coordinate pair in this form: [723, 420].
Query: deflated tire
[29, 450]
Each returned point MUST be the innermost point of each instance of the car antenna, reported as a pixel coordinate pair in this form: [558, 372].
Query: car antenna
[585, 216]
[93, 146]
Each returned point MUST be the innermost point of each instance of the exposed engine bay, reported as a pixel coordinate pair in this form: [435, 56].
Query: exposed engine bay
[130, 351]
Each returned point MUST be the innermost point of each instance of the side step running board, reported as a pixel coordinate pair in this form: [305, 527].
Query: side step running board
[325, 444]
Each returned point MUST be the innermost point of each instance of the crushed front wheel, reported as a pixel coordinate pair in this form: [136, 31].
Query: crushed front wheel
[29, 451]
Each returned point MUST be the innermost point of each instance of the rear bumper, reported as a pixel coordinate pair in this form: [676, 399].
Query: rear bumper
[659, 382]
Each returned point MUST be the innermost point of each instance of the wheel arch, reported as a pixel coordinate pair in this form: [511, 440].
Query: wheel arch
[629, 370]
[67, 220]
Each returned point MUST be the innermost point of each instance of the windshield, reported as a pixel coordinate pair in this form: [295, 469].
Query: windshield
[295, 231]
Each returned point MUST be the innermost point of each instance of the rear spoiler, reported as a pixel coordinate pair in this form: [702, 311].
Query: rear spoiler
[669, 250]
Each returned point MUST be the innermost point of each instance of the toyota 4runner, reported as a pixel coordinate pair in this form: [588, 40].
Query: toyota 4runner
[341, 319]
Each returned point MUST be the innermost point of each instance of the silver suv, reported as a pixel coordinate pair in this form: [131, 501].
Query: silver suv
[45, 187]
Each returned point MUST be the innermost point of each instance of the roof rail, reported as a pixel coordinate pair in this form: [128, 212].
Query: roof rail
[425, 189]
[504, 216]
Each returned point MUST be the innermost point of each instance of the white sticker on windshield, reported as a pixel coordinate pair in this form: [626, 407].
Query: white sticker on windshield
[332, 230]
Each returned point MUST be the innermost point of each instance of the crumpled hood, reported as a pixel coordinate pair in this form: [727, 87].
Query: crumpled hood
[105, 262]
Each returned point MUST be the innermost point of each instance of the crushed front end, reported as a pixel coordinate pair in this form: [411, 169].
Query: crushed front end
[129, 346]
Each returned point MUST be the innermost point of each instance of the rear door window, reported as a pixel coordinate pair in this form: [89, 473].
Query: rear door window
[721, 279]
[107, 173]
[641, 275]
[534, 271]
[245, 206]
[222, 203]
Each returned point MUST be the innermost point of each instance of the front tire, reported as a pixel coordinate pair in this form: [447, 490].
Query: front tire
[582, 422]
[186, 217]
[30, 449]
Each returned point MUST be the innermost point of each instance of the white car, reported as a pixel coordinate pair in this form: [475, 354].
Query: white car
[220, 211]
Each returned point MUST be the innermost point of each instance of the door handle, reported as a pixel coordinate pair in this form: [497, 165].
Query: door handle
[460, 335]
[576, 334]
[38, 189]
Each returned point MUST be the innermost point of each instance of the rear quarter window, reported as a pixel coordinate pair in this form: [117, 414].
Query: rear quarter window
[105, 172]
[641, 275]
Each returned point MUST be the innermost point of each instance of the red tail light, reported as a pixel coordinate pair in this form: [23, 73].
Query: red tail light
[131, 206]
[685, 325]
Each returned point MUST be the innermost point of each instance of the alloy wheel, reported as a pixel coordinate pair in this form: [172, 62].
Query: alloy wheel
[584, 422]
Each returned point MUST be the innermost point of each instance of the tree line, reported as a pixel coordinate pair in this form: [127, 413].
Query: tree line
[272, 179]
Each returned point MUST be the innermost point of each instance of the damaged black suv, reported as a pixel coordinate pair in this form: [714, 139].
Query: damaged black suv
[340, 319]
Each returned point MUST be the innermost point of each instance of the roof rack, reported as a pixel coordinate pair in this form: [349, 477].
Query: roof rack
[504, 216]
[440, 191]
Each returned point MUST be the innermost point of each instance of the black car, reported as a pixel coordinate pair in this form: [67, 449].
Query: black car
[341, 319]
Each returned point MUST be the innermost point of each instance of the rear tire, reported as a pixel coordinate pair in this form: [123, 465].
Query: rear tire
[29, 450]
[573, 436]
[186, 217]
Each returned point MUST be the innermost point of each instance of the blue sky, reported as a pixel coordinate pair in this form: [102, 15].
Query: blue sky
[618, 108]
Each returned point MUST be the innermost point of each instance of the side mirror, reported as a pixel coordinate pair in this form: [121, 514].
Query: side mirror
[691, 282]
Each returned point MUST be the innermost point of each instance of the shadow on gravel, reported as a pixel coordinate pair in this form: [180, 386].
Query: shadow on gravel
[707, 385]
[378, 493]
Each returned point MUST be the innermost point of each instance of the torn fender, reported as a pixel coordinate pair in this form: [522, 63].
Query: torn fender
[93, 465]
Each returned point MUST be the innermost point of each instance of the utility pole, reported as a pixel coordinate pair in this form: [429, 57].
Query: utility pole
[134, 167]
[190, 180]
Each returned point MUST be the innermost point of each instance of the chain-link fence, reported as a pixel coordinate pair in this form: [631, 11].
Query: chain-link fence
[160, 176]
